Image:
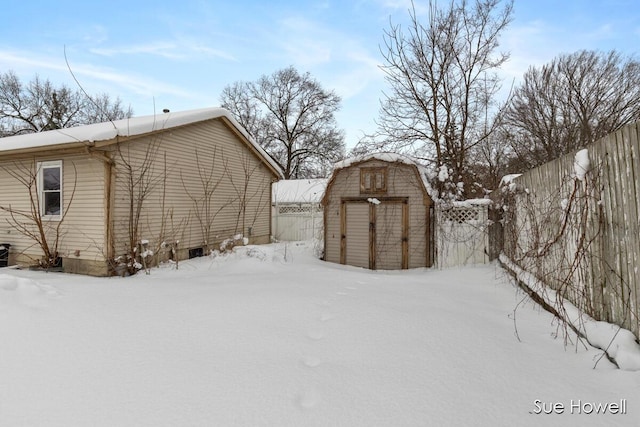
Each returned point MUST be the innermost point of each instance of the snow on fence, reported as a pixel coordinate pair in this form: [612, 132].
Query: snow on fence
[574, 224]
[297, 222]
[461, 233]
[296, 211]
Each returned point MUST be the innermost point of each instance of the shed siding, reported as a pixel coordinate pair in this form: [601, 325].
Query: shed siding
[389, 241]
[402, 181]
[357, 234]
[183, 161]
[83, 229]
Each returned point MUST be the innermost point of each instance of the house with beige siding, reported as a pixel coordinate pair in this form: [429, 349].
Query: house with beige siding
[378, 214]
[138, 190]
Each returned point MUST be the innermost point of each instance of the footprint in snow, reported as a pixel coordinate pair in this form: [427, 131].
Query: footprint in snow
[326, 316]
[28, 292]
[308, 398]
[311, 361]
[315, 334]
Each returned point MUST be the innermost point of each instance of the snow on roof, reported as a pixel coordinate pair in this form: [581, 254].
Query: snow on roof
[125, 128]
[385, 157]
[425, 174]
[299, 190]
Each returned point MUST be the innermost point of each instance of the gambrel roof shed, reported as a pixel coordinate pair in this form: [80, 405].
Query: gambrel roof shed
[378, 213]
[204, 179]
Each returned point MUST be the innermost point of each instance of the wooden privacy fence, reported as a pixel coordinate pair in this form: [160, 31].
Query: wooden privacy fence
[576, 227]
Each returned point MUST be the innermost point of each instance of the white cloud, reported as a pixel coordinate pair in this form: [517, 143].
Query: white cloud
[141, 85]
[184, 49]
[532, 44]
[95, 35]
[305, 42]
[403, 6]
[198, 46]
[30, 62]
[163, 49]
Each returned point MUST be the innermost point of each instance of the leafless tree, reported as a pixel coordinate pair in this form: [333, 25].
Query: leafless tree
[249, 195]
[39, 106]
[292, 117]
[32, 222]
[574, 100]
[442, 84]
[492, 159]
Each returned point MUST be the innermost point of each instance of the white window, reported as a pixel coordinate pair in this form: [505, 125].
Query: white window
[50, 189]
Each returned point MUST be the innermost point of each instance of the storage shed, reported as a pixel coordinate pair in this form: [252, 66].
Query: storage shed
[379, 213]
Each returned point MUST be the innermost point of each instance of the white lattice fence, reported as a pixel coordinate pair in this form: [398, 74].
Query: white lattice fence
[462, 233]
[294, 222]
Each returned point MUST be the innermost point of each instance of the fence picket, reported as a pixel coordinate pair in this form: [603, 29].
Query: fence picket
[607, 276]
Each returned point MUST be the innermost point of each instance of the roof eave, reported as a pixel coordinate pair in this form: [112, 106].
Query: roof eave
[66, 148]
[254, 147]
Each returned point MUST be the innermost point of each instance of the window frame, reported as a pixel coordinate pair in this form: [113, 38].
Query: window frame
[372, 173]
[50, 164]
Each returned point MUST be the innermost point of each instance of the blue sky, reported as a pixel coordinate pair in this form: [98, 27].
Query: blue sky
[181, 54]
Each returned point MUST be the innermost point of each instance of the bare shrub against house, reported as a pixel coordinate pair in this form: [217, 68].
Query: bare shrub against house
[40, 220]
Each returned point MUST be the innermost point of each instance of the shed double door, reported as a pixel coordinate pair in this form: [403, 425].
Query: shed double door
[374, 235]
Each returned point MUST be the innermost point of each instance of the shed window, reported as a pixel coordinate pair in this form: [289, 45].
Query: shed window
[373, 180]
[50, 189]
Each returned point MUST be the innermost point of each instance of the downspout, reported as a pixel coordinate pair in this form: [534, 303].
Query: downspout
[274, 215]
[108, 198]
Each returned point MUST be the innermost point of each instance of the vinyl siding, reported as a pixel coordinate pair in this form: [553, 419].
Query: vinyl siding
[389, 236]
[344, 183]
[357, 232]
[83, 229]
[182, 161]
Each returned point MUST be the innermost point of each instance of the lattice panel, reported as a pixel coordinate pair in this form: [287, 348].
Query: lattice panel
[461, 215]
[292, 209]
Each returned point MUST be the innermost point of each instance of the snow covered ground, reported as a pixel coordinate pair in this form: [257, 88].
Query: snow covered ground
[270, 336]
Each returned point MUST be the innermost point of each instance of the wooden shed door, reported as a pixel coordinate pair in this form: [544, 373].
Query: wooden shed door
[375, 236]
[388, 245]
[356, 237]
